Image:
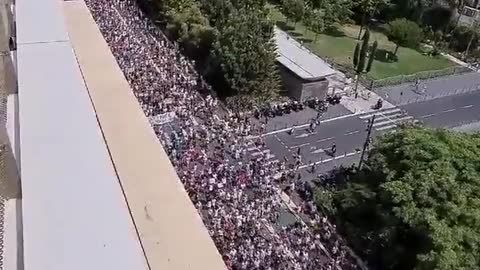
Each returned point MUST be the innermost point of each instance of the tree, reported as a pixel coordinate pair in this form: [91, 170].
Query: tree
[373, 50]
[404, 33]
[314, 22]
[336, 11]
[369, 8]
[416, 203]
[356, 55]
[245, 54]
[462, 36]
[421, 6]
[360, 58]
[363, 52]
[191, 29]
[456, 6]
[474, 36]
[294, 9]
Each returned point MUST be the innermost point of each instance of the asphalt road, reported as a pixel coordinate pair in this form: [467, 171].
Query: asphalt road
[431, 89]
[447, 112]
[348, 132]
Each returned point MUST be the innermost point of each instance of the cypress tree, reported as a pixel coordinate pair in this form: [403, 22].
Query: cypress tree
[372, 56]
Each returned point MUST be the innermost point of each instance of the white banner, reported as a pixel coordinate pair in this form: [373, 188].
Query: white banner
[161, 119]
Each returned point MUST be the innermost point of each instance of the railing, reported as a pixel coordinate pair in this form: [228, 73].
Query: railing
[372, 84]
[4, 152]
[425, 75]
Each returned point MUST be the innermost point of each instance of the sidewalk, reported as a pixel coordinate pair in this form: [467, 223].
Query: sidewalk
[365, 101]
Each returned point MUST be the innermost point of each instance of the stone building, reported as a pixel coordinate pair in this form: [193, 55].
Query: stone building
[304, 74]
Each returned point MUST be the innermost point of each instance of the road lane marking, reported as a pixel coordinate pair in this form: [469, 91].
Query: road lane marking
[324, 140]
[300, 145]
[393, 110]
[305, 135]
[306, 125]
[352, 132]
[447, 111]
[261, 153]
[329, 159]
[392, 121]
[281, 142]
[320, 150]
[428, 115]
[386, 127]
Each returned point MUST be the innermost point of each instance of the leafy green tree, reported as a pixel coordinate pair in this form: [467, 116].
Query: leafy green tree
[217, 11]
[191, 29]
[315, 4]
[360, 58]
[356, 55]
[415, 205]
[421, 6]
[461, 37]
[369, 8]
[314, 22]
[373, 50]
[404, 33]
[245, 54]
[456, 6]
[294, 10]
[363, 52]
[336, 11]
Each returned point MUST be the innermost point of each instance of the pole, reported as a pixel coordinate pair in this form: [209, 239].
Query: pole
[474, 23]
[367, 141]
[356, 85]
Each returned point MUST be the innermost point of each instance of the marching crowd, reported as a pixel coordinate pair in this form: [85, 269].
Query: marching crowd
[236, 195]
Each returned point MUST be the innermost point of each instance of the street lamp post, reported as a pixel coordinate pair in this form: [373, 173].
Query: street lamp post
[367, 141]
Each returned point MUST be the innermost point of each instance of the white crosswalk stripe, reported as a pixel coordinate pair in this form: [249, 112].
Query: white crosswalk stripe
[262, 152]
[387, 119]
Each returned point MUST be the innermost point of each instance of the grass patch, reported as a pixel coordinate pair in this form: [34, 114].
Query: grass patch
[339, 42]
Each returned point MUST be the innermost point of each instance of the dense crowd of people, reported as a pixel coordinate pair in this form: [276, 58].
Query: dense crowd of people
[236, 195]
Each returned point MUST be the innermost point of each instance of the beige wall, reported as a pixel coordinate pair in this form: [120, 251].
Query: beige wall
[171, 231]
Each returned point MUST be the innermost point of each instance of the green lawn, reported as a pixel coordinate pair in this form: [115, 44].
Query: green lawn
[340, 44]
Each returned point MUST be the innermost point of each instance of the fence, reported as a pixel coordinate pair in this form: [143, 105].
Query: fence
[371, 84]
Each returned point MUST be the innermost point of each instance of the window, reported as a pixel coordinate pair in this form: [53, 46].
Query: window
[469, 12]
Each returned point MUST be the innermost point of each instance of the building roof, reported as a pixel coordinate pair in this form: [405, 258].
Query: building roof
[98, 189]
[299, 59]
[171, 230]
[74, 213]
[39, 21]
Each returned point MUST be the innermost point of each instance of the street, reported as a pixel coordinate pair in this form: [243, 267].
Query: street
[349, 131]
[447, 112]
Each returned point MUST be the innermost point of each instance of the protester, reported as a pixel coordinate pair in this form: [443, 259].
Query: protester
[236, 195]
